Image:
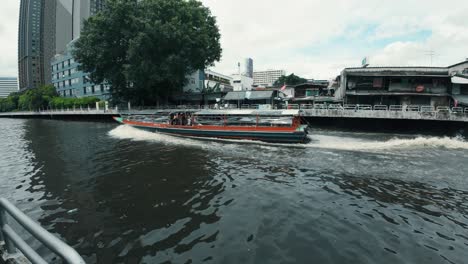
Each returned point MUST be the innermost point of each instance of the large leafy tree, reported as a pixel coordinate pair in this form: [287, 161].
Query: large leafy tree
[291, 79]
[145, 49]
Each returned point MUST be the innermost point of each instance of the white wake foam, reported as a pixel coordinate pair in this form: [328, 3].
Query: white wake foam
[346, 143]
[318, 141]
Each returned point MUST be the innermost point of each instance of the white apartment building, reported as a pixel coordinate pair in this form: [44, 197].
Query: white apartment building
[267, 78]
[241, 82]
[8, 85]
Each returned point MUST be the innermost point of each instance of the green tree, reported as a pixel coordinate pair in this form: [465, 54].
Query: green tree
[291, 79]
[31, 100]
[145, 49]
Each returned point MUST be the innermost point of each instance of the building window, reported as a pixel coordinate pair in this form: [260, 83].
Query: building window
[70, 92]
[70, 82]
[84, 90]
[92, 89]
[102, 87]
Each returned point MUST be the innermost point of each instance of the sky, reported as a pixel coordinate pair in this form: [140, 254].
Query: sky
[316, 39]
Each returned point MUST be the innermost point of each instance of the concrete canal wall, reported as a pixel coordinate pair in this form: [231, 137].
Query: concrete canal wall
[354, 117]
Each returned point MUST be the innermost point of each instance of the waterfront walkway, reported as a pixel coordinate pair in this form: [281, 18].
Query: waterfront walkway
[393, 112]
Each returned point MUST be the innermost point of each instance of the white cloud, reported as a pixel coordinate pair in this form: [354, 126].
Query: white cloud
[275, 33]
[313, 38]
[9, 38]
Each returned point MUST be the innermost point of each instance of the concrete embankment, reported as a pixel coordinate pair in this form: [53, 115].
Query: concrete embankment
[92, 115]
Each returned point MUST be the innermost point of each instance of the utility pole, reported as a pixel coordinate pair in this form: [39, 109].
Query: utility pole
[431, 53]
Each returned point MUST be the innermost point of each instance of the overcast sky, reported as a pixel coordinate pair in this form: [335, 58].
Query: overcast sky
[316, 39]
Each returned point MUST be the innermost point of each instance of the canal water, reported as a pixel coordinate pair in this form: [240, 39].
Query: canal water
[121, 195]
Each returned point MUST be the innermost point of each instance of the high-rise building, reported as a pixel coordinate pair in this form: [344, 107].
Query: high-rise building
[70, 15]
[248, 68]
[45, 29]
[36, 42]
[68, 80]
[267, 78]
[7, 86]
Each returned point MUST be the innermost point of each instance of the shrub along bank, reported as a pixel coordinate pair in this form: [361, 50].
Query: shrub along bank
[44, 97]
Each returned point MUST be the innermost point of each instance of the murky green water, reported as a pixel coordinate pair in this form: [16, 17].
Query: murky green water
[120, 195]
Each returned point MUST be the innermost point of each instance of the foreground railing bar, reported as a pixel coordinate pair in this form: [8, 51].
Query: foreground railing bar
[49, 240]
[23, 247]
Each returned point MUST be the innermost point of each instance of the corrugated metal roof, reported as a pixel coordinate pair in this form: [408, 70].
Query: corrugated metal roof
[258, 95]
[400, 70]
[234, 96]
[460, 80]
[250, 95]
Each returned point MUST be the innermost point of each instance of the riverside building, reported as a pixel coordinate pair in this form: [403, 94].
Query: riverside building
[8, 85]
[411, 87]
[69, 81]
[267, 78]
[45, 29]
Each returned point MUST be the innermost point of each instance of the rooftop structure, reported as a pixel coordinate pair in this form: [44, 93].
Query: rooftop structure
[241, 82]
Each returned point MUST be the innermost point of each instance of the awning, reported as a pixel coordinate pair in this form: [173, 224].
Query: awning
[459, 80]
[462, 99]
[258, 95]
[231, 96]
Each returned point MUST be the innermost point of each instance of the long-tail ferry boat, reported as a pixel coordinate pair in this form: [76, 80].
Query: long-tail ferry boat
[279, 126]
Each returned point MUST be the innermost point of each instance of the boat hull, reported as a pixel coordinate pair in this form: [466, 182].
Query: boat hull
[265, 135]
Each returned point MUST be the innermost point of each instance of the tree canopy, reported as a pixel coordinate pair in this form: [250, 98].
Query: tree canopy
[291, 79]
[145, 49]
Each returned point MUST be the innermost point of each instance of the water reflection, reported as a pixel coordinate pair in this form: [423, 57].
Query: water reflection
[108, 197]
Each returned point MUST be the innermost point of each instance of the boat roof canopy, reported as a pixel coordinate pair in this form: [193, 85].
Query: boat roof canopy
[289, 112]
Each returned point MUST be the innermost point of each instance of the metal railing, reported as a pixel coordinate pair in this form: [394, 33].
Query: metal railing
[380, 108]
[13, 240]
[412, 108]
[353, 107]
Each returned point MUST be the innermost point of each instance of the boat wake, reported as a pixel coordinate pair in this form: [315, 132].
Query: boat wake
[346, 143]
[318, 141]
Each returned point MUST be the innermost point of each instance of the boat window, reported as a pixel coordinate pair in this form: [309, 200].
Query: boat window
[275, 120]
[241, 120]
[209, 120]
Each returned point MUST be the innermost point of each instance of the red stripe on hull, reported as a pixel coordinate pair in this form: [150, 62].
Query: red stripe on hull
[214, 128]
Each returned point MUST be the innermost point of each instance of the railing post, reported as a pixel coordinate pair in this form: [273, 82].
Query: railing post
[10, 248]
